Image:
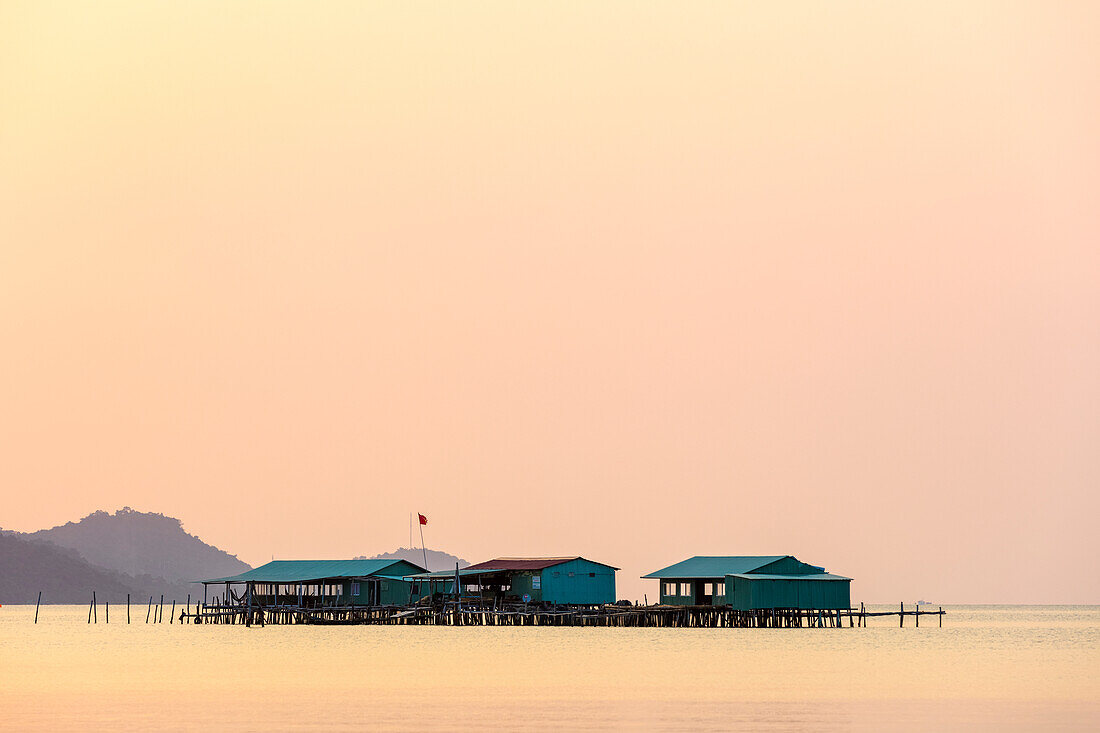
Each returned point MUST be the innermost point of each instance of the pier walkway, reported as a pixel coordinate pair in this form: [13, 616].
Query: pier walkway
[512, 614]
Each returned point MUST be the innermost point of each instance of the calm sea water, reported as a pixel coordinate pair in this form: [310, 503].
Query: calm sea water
[988, 668]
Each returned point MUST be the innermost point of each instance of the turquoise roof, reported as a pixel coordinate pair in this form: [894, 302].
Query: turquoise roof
[300, 571]
[765, 576]
[710, 566]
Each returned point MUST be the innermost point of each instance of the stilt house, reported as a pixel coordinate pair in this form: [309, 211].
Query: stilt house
[558, 580]
[747, 582]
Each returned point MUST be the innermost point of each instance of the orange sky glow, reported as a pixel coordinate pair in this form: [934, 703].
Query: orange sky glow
[635, 281]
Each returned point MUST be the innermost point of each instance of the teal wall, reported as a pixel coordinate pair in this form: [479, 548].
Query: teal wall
[579, 582]
[523, 581]
[743, 594]
[674, 598]
[391, 592]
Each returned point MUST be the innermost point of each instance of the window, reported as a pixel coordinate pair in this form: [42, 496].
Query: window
[570, 575]
[708, 589]
[536, 582]
[591, 575]
[685, 589]
[355, 589]
[720, 589]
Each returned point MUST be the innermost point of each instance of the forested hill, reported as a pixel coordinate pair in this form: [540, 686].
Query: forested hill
[142, 543]
[28, 566]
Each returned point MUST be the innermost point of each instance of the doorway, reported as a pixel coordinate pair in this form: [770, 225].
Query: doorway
[704, 593]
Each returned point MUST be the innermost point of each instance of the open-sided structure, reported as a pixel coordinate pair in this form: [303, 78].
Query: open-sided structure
[319, 583]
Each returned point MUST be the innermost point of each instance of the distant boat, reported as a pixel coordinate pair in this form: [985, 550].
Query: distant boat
[925, 603]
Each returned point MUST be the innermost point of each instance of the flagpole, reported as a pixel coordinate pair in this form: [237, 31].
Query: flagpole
[422, 547]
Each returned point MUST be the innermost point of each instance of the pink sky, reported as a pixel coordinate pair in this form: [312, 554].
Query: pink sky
[631, 281]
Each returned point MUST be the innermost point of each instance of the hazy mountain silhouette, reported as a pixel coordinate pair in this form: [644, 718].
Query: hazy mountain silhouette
[437, 559]
[28, 566]
[143, 543]
[140, 553]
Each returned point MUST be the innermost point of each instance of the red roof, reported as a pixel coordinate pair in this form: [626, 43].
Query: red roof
[521, 563]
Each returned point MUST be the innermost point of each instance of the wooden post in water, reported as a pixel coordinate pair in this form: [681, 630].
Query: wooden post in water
[161, 609]
[39, 603]
[149, 609]
[902, 615]
[107, 605]
[188, 605]
[89, 613]
[916, 615]
[172, 615]
[127, 608]
[941, 617]
[95, 608]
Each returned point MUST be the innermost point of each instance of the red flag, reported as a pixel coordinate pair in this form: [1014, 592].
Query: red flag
[423, 519]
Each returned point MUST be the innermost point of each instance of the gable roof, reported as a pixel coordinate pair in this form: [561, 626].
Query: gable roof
[714, 566]
[811, 576]
[529, 563]
[298, 571]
